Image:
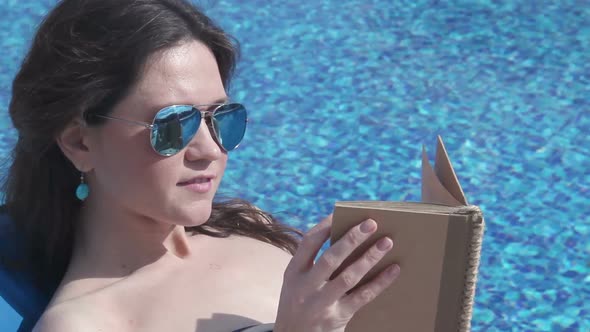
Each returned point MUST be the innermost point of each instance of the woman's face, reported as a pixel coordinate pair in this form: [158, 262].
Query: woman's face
[128, 174]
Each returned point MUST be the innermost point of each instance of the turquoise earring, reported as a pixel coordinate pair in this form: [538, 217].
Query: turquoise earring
[82, 189]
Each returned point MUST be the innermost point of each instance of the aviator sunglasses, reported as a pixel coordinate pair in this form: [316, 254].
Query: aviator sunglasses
[175, 126]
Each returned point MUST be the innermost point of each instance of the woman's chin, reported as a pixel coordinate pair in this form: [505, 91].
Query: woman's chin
[194, 216]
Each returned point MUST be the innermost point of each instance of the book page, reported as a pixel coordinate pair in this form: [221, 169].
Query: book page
[440, 184]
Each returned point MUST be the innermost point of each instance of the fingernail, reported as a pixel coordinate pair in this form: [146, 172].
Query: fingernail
[384, 244]
[393, 270]
[368, 226]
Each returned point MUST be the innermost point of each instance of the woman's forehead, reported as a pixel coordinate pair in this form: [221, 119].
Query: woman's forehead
[184, 74]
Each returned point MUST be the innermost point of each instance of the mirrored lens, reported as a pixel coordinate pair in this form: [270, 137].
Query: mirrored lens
[229, 123]
[174, 127]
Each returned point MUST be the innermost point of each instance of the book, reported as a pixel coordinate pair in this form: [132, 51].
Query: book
[437, 244]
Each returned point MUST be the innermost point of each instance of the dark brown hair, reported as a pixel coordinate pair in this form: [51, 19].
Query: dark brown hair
[83, 60]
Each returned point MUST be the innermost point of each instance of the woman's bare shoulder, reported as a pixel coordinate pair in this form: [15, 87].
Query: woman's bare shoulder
[260, 267]
[70, 316]
[54, 320]
[256, 261]
[254, 251]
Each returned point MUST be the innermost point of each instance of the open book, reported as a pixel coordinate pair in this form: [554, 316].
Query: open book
[436, 242]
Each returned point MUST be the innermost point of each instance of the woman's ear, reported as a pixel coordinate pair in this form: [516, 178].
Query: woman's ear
[74, 143]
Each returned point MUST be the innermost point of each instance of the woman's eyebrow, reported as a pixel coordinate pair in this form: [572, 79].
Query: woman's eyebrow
[222, 100]
[215, 103]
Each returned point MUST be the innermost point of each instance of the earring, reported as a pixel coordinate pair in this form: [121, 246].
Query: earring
[82, 189]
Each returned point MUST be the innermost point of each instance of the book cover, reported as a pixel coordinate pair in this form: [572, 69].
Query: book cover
[437, 243]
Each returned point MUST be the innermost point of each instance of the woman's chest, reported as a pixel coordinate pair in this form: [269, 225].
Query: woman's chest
[212, 297]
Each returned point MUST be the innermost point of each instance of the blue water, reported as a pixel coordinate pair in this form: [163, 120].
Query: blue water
[343, 93]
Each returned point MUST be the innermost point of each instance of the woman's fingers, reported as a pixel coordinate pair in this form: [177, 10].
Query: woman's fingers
[309, 301]
[339, 251]
[352, 302]
[350, 276]
[310, 246]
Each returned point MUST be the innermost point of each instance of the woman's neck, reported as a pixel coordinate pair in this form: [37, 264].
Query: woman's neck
[117, 242]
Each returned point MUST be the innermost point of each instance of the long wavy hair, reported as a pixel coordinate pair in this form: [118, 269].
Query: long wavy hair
[85, 57]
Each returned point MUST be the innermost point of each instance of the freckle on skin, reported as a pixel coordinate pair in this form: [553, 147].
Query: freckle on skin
[215, 266]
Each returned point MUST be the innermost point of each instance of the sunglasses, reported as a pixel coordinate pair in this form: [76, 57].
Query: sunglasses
[175, 126]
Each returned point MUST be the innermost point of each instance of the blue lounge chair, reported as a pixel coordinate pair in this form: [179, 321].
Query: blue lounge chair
[20, 303]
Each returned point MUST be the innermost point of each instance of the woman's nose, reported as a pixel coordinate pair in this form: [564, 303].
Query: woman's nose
[203, 145]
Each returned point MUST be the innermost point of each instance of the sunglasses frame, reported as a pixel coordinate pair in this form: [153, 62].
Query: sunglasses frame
[206, 115]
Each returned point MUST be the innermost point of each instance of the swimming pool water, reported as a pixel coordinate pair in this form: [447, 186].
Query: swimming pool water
[343, 93]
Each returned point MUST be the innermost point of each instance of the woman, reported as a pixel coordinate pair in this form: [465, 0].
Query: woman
[124, 127]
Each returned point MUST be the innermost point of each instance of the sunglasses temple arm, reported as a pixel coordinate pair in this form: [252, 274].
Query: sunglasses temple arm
[143, 124]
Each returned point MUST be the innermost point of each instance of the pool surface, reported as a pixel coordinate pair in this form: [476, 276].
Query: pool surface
[343, 93]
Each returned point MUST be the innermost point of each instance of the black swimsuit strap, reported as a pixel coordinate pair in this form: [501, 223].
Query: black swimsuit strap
[256, 328]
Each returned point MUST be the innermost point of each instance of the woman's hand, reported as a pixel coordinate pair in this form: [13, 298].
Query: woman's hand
[310, 301]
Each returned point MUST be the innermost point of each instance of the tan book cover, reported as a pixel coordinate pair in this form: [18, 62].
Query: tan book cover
[436, 242]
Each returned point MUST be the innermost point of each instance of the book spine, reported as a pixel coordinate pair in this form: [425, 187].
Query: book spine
[473, 258]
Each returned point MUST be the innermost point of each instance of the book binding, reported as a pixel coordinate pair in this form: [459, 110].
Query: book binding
[471, 272]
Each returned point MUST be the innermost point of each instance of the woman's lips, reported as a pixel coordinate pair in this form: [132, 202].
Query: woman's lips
[199, 184]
